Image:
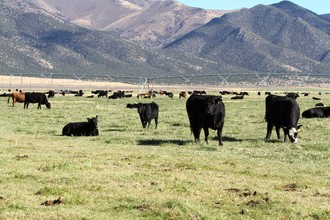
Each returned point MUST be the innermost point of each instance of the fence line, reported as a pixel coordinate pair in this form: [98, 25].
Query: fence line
[45, 80]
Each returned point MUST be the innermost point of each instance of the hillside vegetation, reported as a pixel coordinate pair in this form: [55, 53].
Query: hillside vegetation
[128, 172]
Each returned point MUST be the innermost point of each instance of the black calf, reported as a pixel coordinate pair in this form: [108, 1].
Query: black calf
[88, 128]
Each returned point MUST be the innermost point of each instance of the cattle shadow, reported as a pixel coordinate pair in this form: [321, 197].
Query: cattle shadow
[114, 129]
[228, 139]
[158, 142]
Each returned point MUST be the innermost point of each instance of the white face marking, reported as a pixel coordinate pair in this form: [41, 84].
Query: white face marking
[293, 135]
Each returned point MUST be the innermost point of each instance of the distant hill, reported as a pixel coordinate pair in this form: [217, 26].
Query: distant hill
[153, 23]
[282, 37]
[34, 41]
[327, 16]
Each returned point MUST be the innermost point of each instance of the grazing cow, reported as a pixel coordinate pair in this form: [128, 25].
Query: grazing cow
[315, 98]
[205, 111]
[147, 111]
[90, 96]
[88, 128]
[318, 112]
[149, 95]
[5, 95]
[238, 97]
[225, 92]
[282, 112]
[36, 97]
[169, 94]
[51, 93]
[101, 93]
[17, 97]
[182, 94]
[117, 95]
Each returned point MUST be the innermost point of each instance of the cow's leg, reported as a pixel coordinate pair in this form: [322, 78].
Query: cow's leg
[39, 106]
[143, 122]
[156, 122]
[278, 133]
[269, 130]
[220, 134]
[206, 134]
[286, 133]
[196, 132]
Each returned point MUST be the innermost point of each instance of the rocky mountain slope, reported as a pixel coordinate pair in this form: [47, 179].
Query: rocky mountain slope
[274, 38]
[35, 41]
[282, 37]
[153, 23]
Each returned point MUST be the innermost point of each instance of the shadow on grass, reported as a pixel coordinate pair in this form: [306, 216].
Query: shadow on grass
[157, 142]
[228, 139]
[114, 129]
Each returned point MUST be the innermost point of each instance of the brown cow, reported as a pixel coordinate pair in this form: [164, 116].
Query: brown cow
[182, 94]
[17, 97]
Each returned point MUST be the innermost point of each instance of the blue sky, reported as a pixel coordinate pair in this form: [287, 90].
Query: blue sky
[319, 7]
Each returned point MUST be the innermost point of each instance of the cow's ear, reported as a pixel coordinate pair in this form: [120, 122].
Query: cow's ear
[218, 100]
[298, 127]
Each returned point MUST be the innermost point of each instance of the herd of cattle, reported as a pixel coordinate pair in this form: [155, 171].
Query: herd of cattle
[204, 111]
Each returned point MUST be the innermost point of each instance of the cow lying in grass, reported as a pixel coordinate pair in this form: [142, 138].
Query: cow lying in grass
[318, 112]
[88, 128]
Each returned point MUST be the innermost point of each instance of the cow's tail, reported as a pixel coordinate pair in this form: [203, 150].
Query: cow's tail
[8, 99]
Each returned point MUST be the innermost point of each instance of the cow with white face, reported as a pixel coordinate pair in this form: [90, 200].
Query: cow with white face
[282, 112]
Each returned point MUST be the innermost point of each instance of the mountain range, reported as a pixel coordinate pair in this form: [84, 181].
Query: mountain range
[161, 38]
[153, 23]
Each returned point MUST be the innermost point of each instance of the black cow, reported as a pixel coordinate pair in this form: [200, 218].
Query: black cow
[80, 93]
[319, 112]
[319, 104]
[238, 97]
[117, 95]
[147, 111]
[36, 97]
[88, 128]
[182, 94]
[205, 111]
[292, 95]
[51, 93]
[282, 112]
[101, 93]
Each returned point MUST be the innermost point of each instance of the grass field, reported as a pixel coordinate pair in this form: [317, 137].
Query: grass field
[133, 173]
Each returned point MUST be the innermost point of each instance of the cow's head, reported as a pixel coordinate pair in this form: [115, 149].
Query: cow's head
[93, 121]
[293, 134]
[212, 104]
[48, 105]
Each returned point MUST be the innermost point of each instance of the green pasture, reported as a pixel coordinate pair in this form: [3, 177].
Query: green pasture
[128, 172]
